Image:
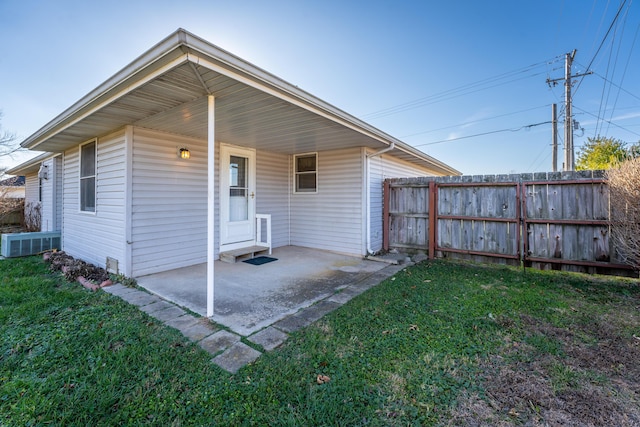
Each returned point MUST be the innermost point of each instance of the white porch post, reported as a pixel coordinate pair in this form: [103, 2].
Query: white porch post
[211, 163]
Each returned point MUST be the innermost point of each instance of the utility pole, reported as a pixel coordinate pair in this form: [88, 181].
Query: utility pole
[569, 157]
[568, 125]
[554, 137]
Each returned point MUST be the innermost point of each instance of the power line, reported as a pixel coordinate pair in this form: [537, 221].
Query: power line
[441, 97]
[456, 92]
[602, 42]
[472, 122]
[618, 86]
[605, 101]
[534, 165]
[482, 134]
[624, 73]
[608, 121]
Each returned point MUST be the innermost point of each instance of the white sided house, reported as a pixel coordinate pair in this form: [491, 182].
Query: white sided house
[190, 152]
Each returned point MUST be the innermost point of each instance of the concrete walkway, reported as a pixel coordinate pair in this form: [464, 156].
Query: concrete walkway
[230, 350]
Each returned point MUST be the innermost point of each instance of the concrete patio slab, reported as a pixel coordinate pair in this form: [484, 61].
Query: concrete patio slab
[198, 332]
[168, 314]
[182, 322]
[219, 341]
[156, 306]
[306, 317]
[139, 298]
[292, 323]
[118, 289]
[345, 296]
[236, 357]
[269, 338]
[317, 311]
[249, 298]
[284, 299]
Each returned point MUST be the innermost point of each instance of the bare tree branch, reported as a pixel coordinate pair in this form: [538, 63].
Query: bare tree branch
[8, 144]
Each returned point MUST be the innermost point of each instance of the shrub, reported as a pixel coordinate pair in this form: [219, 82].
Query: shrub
[32, 216]
[11, 207]
[624, 185]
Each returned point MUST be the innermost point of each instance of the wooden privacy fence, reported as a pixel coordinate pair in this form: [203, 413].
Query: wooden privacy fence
[546, 220]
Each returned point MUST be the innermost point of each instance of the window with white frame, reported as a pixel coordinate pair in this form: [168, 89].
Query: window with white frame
[88, 177]
[305, 173]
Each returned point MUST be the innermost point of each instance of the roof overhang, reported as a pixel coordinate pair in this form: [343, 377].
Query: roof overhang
[30, 166]
[166, 89]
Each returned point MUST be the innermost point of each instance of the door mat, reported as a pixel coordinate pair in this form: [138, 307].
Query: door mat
[259, 260]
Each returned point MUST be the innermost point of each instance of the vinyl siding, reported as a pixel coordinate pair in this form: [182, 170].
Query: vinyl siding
[31, 188]
[52, 196]
[169, 202]
[95, 236]
[272, 193]
[380, 168]
[332, 218]
[58, 191]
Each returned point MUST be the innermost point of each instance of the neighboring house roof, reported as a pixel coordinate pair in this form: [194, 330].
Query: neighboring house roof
[14, 181]
[166, 89]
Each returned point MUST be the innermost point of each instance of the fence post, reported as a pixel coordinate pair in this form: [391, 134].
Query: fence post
[432, 219]
[385, 215]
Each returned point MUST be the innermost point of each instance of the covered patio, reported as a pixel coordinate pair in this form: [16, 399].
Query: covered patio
[248, 298]
[174, 160]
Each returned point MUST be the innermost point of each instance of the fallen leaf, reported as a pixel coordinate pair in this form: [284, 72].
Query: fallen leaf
[322, 379]
[514, 413]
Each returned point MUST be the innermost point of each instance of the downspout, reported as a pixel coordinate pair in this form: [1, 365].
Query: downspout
[368, 191]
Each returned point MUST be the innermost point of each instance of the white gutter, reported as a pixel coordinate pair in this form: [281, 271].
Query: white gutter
[368, 191]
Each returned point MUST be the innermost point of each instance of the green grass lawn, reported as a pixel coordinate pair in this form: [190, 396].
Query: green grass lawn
[438, 344]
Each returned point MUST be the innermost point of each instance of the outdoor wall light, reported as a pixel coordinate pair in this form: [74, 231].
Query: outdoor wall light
[184, 153]
[43, 172]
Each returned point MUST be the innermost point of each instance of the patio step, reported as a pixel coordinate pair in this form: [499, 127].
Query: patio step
[232, 256]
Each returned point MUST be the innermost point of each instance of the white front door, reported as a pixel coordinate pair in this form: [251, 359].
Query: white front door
[237, 197]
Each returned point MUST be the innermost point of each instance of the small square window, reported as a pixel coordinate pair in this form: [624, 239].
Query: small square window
[305, 173]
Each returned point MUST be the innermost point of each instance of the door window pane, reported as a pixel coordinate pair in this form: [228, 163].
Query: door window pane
[238, 171]
[238, 191]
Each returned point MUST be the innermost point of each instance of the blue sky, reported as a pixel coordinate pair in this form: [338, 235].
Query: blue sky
[433, 73]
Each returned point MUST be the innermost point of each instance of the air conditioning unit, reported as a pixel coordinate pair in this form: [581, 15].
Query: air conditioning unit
[24, 244]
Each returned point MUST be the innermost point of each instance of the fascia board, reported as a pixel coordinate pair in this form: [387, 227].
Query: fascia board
[33, 163]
